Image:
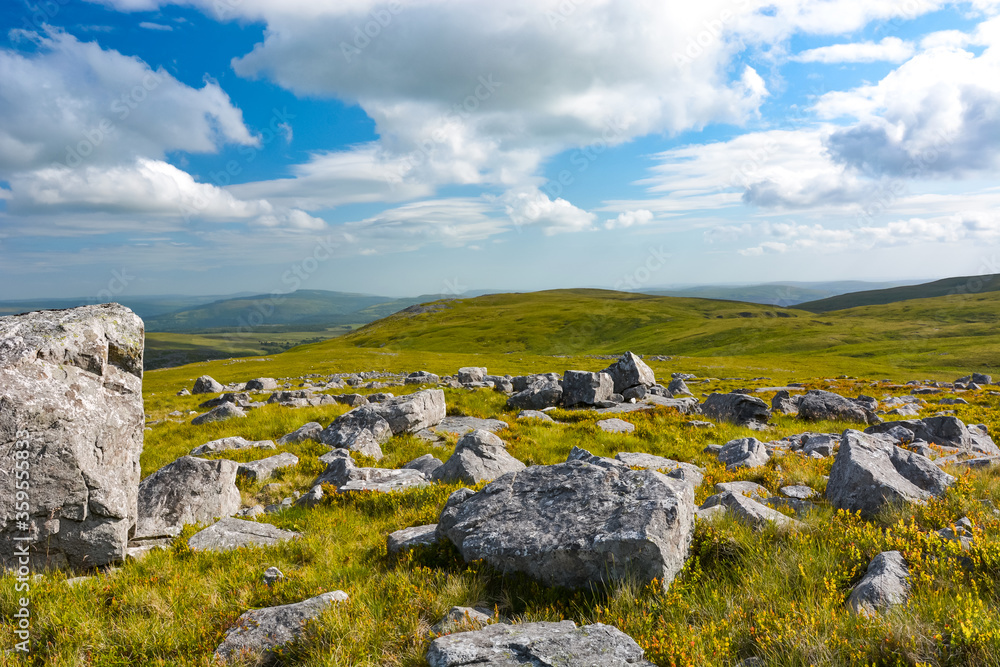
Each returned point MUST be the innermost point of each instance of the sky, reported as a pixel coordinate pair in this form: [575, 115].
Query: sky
[437, 146]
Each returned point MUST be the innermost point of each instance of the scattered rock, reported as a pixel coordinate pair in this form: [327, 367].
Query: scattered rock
[231, 443]
[630, 371]
[273, 575]
[410, 538]
[413, 412]
[218, 414]
[229, 533]
[944, 430]
[575, 524]
[189, 490]
[535, 414]
[462, 618]
[479, 456]
[799, 492]
[749, 489]
[678, 387]
[422, 377]
[743, 453]
[584, 388]
[749, 511]
[310, 431]
[738, 409]
[261, 384]
[819, 405]
[784, 403]
[615, 426]
[264, 468]
[361, 430]
[352, 400]
[461, 425]
[426, 464]
[870, 472]
[207, 385]
[345, 476]
[540, 394]
[259, 632]
[470, 374]
[71, 403]
[528, 644]
[687, 472]
[883, 586]
[311, 498]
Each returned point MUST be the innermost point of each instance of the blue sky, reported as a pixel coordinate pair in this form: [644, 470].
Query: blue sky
[404, 148]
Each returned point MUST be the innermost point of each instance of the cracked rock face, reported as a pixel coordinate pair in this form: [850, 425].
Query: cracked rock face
[576, 523]
[71, 391]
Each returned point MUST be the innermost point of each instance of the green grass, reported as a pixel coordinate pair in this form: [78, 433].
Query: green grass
[776, 595]
[164, 350]
[947, 287]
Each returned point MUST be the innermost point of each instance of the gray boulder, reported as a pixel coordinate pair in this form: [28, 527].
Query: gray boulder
[678, 387]
[738, 409]
[575, 524]
[870, 472]
[224, 412]
[422, 377]
[522, 382]
[261, 384]
[537, 644]
[630, 371]
[615, 425]
[460, 425]
[264, 468]
[824, 405]
[744, 488]
[479, 456]
[750, 512]
[410, 538]
[798, 492]
[259, 632]
[470, 374]
[462, 618]
[784, 403]
[360, 430]
[883, 586]
[585, 388]
[230, 444]
[71, 417]
[687, 472]
[239, 399]
[743, 453]
[207, 385]
[975, 378]
[413, 412]
[535, 414]
[310, 431]
[352, 400]
[189, 490]
[342, 473]
[539, 395]
[945, 430]
[426, 464]
[227, 534]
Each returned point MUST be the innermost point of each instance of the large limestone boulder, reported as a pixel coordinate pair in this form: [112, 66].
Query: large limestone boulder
[944, 430]
[738, 409]
[361, 430]
[342, 473]
[71, 422]
[479, 456]
[262, 469]
[471, 374]
[413, 412]
[530, 644]
[206, 384]
[189, 490]
[630, 371]
[259, 632]
[576, 524]
[584, 388]
[540, 394]
[229, 533]
[825, 405]
[743, 453]
[870, 472]
[884, 585]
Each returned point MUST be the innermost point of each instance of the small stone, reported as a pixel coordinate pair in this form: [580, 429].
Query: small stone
[273, 575]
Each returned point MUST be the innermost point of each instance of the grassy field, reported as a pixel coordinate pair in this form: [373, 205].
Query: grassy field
[946, 287]
[775, 595]
[164, 350]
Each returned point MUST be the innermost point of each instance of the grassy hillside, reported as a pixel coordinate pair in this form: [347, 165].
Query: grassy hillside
[968, 285]
[776, 294]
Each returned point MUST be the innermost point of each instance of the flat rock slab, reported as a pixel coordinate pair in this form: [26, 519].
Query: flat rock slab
[462, 425]
[259, 632]
[688, 472]
[798, 491]
[615, 426]
[224, 412]
[535, 644]
[410, 538]
[230, 444]
[230, 533]
[264, 468]
[384, 480]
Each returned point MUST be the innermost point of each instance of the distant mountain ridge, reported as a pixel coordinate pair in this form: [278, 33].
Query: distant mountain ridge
[937, 288]
[788, 293]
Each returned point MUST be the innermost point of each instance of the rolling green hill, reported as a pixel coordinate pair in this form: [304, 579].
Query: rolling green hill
[946, 287]
[775, 294]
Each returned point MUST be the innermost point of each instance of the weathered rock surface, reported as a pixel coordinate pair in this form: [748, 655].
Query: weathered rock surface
[343, 474]
[229, 533]
[259, 632]
[261, 384]
[819, 405]
[310, 431]
[479, 456]
[264, 468]
[743, 453]
[744, 488]
[470, 374]
[189, 490]
[535, 414]
[426, 464]
[738, 409]
[540, 394]
[687, 472]
[585, 388]
[462, 618]
[71, 402]
[870, 472]
[218, 414]
[615, 425]
[883, 586]
[678, 387]
[630, 371]
[410, 538]
[798, 491]
[460, 425]
[231, 443]
[945, 430]
[784, 403]
[360, 430]
[422, 377]
[207, 385]
[749, 511]
[575, 524]
[413, 412]
[538, 644]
